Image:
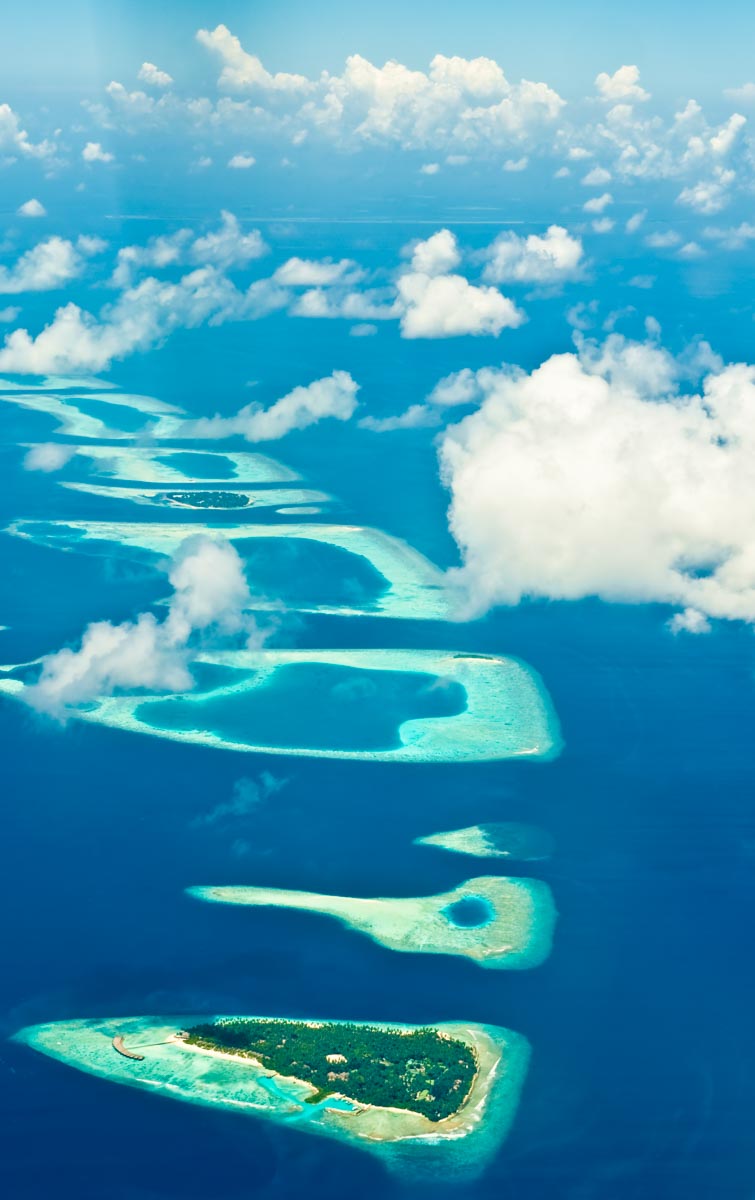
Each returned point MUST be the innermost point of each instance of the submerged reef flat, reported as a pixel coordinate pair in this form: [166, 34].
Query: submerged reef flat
[496, 839]
[183, 1060]
[101, 414]
[209, 498]
[139, 464]
[496, 922]
[414, 587]
[508, 713]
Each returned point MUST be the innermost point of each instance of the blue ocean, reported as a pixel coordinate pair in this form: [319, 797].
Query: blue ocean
[642, 1080]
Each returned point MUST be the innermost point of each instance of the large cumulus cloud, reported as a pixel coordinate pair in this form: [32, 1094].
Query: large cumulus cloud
[610, 472]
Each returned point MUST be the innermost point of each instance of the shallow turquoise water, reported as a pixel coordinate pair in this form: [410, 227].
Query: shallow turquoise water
[316, 706]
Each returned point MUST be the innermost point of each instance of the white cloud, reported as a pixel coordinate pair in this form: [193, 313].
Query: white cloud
[334, 396]
[15, 140]
[244, 72]
[741, 95]
[76, 341]
[516, 164]
[690, 250]
[622, 85]
[449, 306]
[31, 208]
[308, 272]
[48, 456]
[537, 258]
[602, 225]
[210, 592]
[415, 417]
[644, 282]
[733, 238]
[457, 102]
[93, 152]
[596, 177]
[598, 474]
[152, 75]
[436, 255]
[241, 162]
[597, 204]
[708, 196]
[9, 314]
[460, 387]
[689, 621]
[665, 240]
[228, 246]
[364, 329]
[636, 219]
[48, 265]
[225, 247]
[430, 168]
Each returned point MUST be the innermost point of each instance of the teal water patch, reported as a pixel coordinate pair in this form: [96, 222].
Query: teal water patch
[300, 572]
[198, 465]
[314, 706]
[123, 417]
[472, 912]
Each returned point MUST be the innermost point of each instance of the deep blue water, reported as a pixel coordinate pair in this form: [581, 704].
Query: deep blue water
[643, 1074]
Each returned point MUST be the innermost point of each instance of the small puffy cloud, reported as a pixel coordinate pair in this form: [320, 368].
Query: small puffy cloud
[308, 272]
[334, 396]
[225, 247]
[248, 795]
[689, 621]
[636, 219]
[597, 204]
[364, 329]
[244, 72]
[431, 168]
[460, 387]
[547, 258]
[745, 94]
[48, 265]
[436, 255]
[690, 251]
[415, 417]
[602, 225]
[241, 162]
[74, 340]
[209, 592]
[663, 240]
[93, 152]
[9, 314]
[516, 164]
[31, 208]
[228, 246]
[601, 474]
[624, 85]
[708, 196]
[15, 140]
[597, 177]
[733, 238]
[152, 75]
[643, 282]
[48, 456]
[450, 306]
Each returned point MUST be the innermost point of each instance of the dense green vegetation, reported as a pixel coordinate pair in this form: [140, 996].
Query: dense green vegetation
[208, 499]
[422, 1070]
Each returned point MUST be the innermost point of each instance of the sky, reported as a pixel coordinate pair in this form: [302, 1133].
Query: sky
[84, 43]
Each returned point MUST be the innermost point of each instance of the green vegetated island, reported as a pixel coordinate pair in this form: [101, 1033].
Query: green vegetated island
[207, 499]
[428, 1100]
[422, 1070]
